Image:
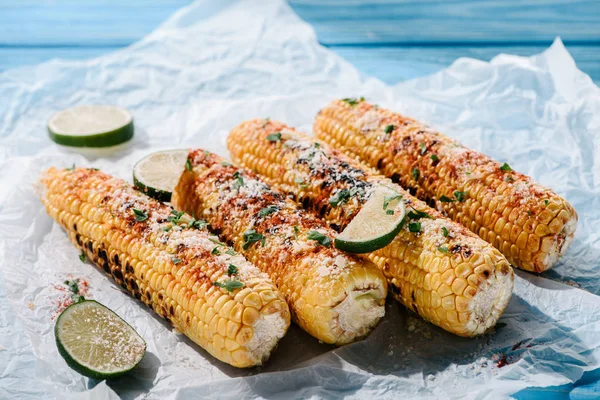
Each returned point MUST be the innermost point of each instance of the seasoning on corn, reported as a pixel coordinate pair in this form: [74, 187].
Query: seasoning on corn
[333, 296]
[136, 240]
[530, 224]
[456, 281]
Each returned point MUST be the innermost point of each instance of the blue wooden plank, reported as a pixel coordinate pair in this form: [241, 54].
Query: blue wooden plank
[451, 21]
[393, 64]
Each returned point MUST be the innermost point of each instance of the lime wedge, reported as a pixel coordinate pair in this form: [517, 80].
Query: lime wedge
[157, 174]
[96, 342]
[376, 224]
[91, 126]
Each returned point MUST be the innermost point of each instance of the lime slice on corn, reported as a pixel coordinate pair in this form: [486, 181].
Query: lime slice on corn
[96, 342]
[376, 224]
[91, 126]
[157, 174]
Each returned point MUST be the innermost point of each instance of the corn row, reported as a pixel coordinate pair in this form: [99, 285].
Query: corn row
[441, 270]
[168, 265]
[531, 225]
[333, 296]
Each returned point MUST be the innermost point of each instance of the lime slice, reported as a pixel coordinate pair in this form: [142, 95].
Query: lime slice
[376, 224]
[157, 174]
[96, 342]
[91, 126]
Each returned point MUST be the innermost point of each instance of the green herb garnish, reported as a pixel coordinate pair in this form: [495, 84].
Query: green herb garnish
[353, 101]
[232, 270]
[231, 252]
[320, 238]
[414, 226]
[82, 256]
[509, 179]
[251, 236]
[389, 212]
[434, 157]
[198, 223]
[423, 148]
[340, 197]
[225, 164]
[300, 182]
[216, 251]
[267, 211]
[239, 181]
[444, 231]
[416, 173]
[229, 285]
[72, 168]
[505, 167]
[140, 216]
[460, 196]
[175, 260]
[188, 164]
[274, 137]
[446, 199]
[388, 199]
[415, 214]
[296, 231]
[546, 202]
[443, 249]
[389, 129]
[175, 216]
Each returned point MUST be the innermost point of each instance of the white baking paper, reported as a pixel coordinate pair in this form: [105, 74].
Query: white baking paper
[214, 64]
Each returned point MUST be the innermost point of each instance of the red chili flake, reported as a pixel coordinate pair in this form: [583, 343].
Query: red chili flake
[504, 361]
[68, 294]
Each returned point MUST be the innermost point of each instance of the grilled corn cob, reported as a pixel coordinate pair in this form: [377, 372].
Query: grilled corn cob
[530, 224]
[146, 249]
[333, 296]
[436, 267]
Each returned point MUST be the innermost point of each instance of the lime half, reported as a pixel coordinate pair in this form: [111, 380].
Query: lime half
[376, 224]
[91, 126]
[96, 342]
[157, 174]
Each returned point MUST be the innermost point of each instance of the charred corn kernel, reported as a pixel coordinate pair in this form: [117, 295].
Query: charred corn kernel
[424, 260]
[166, 265]
[335, 297]
[502, 206]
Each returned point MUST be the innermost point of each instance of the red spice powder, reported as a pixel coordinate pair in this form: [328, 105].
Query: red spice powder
[65, 299]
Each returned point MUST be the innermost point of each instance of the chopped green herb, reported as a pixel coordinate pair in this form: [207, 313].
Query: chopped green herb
[231, 252]
[266, 122]
[166, 228]
[414, 226]
[546, 202]
[229, 285]
[389, 212]
[206, 153]
[509, 179]
[389, 129]
[188, 164]
[72, 168]
[82, 256]
[446, 199]
[74, 288]
[175, 216]
[232, 270]
[216, 251]
[416, 173]
[505, 167]
[175, 260]
[443, 249]
[444, 231]
[296, 231]
[267, 211]
[340, 197]
[225, 164]
[415, 214]
[460, 196]
[300, 181]
[95, 169]
[320, 238]
[140, 215]
[216, 241]
[198, 224]
[529, 212]
[353, 101]
[251, 236]
[423, 148]
[239, 181]
[317, 145]
[77, 298]
[274, 137]
[467, 173]
[388, 199]
[434, 157]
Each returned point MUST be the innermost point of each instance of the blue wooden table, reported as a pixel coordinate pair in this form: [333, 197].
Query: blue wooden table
[393, 40]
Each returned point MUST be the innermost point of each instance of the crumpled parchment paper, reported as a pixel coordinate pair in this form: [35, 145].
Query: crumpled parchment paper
[213, 65]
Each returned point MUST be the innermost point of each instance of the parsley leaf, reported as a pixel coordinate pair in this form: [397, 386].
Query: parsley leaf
[296, 231]
[72, 168]
[509, 179]
[546, 202]
[231, 252]
[175, 260]
[175, 216]
[388, 199]
[251, 236]
[216, 251]
[300, 182]
[274, 137]
[239, 181]
[353, 101]
[267, 211]
[82, 256]
[443, 249]
[225, 164]
[423, 148]
[415, 214]
[389, 212]
[188, 164]
[340, 197]
[229, 285]
[414, 226]
[266, 122]
[505, 167]
[320, 238]
[232, 270]
[317, 145]
[388, 129]
[199, 224]
[460, 196]
[140, 216]
[446, 199]
[416, 173]
[444, 231]
[434, 157]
